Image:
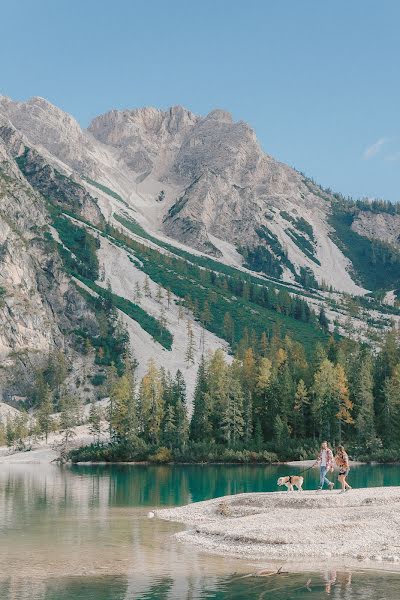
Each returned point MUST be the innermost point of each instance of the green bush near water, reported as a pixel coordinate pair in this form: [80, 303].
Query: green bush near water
[195, 453]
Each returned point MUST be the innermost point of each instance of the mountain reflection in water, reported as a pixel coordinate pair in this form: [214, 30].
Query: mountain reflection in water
[82, 533]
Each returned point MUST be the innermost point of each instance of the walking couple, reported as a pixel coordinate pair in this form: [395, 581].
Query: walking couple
[326, 462]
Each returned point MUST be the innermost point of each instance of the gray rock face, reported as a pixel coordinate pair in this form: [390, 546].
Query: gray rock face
[227, 184]
[378, 226]
[46, 125]
[38, 306]
[63, 191]
[146, 139]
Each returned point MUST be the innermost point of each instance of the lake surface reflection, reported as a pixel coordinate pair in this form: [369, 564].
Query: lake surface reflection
[83, 533]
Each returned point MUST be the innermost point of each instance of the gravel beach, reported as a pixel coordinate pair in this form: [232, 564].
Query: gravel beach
[361, 526]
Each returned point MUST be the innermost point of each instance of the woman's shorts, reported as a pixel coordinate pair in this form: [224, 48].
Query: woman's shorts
[345, 473]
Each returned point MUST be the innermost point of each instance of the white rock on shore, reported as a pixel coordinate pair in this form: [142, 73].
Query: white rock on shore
[309, 527]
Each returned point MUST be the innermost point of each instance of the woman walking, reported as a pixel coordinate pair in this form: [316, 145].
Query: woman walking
[342, 462]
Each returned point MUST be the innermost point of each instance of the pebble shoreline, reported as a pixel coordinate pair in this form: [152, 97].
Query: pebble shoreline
[362, 526]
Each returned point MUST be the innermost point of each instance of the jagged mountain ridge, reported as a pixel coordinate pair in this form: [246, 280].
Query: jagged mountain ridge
[217, 182]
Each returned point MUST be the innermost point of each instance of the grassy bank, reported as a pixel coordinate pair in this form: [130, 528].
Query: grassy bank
[201, 453]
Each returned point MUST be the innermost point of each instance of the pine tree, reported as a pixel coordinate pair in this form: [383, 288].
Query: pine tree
[179, 403]
[111, 383]
[151, 404]
[213, 297]
[162, 320]
[167, 386]
[102, 273]
[280, 357]
[69, 407]
[137, 293]
[254, 342]
[264, 374]
[44, 413]
[169, 297]
[296, 358]
[21, 430]
[189, 356]
[95, 418]
[285, 390]
[169, 433]
[10, 432]
[386, 362]
[217, 371]
[364, 402]
[344, 403]
[391, 407]
[39, 389]
[146, 288]
[229, 328]
[232, 420]
[301, 402]
[263, 344]
[181, 314]
[188, 303]
[261, 403]
[323, 320]
[258, 435]
[107, 300]
[205, 319]
[281, 431]
[248, 419]
[124, 419]
[159, 294]
[200, 424]
[324, 398]
[196, 309]
[206, 316]
[3, 437]
[331, 403]
[248, 374]
[319, 356]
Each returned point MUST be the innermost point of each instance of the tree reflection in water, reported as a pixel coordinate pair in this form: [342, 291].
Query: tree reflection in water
[82, 533]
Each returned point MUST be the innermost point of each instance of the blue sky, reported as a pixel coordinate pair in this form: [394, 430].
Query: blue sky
[318, 81]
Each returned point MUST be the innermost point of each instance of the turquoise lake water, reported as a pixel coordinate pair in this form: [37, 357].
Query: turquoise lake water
[82, 533]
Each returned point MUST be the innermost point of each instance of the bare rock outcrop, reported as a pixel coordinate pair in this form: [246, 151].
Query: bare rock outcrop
[39, 308]
[378, 226]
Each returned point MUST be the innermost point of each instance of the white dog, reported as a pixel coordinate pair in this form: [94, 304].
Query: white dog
[290, 481]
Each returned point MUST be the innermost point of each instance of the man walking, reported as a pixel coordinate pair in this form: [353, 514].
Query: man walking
[326, 464]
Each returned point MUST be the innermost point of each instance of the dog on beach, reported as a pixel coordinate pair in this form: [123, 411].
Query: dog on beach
[291, 481]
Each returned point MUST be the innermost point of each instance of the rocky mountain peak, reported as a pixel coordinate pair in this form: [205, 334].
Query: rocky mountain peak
[128, 127]
[219, 114]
